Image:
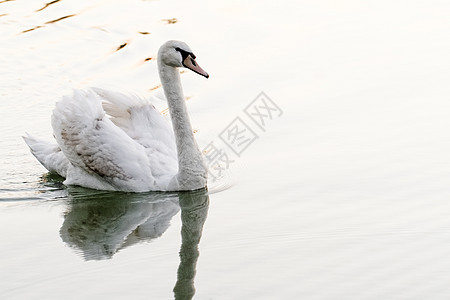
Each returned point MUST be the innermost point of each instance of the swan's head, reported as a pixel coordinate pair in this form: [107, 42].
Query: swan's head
[177, 54]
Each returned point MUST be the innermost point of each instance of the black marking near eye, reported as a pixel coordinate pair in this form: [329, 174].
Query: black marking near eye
[185, 53]
[193, 62]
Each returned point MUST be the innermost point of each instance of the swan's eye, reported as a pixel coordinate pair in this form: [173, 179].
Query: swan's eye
[183, 53]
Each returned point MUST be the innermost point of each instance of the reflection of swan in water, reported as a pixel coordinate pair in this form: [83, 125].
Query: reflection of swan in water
[101, 223]
[98, 224]
[194, 208]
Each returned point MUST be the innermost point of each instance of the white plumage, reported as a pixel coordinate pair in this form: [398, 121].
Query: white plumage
[111, 141]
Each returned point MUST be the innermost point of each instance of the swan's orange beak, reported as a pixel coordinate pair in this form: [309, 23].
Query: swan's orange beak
[190, 63]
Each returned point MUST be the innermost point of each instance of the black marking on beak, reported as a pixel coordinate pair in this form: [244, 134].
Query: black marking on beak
[185, 53]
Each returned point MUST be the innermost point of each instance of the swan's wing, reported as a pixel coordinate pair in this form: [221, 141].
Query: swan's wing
[99, 151]
[48, 154]
[144, 124]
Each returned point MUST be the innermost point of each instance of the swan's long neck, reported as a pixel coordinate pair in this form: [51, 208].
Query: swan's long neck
[191, 170]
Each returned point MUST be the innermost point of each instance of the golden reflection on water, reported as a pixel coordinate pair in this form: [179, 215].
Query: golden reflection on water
[49, 22]
[47, 5]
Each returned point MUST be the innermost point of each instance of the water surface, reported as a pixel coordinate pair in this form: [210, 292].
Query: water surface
[342, 193]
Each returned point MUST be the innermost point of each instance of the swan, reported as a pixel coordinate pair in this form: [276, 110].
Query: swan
[106, 140]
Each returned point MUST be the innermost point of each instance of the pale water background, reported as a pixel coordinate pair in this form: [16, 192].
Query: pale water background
[346, 195]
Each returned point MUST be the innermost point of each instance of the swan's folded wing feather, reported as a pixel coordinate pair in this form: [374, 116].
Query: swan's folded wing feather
[92, 143]
[144, 124]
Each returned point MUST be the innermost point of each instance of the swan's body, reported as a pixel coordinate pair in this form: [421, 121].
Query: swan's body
[109, 141]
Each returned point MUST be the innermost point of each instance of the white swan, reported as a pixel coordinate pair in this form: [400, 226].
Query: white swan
[110, 141]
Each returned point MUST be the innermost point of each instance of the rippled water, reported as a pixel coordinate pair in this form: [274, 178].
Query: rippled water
[343, 192]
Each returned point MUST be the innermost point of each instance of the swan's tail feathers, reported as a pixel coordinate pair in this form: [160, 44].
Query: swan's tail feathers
[48, 154]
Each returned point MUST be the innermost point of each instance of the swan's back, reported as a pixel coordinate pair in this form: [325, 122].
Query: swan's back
[132, 149]
[144, 124]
